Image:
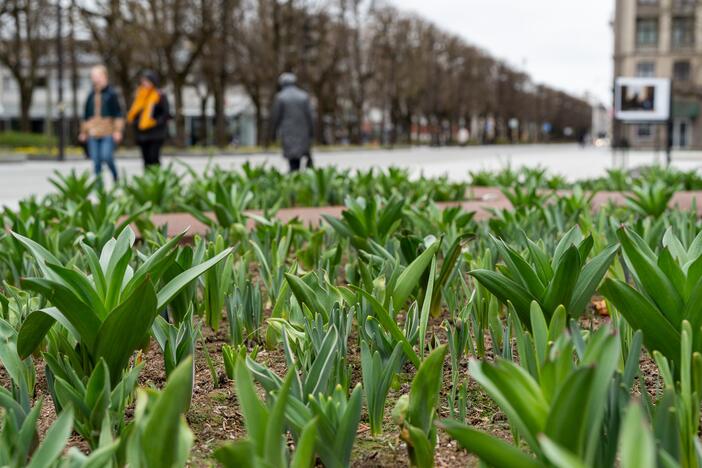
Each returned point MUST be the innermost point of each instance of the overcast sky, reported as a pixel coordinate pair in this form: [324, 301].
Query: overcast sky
[564, 43]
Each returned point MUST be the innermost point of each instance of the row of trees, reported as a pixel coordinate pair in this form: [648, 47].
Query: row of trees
[352, 55]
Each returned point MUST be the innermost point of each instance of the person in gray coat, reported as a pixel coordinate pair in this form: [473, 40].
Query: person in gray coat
[293, 121]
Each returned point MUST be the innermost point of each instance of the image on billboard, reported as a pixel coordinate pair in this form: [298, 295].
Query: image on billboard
[642, 99]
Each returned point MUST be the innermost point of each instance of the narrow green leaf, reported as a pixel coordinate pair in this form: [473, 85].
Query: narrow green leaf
[565, 424]
[166, 418]
[426, 307]
[424, 392]
[273, 446]
[488, 448]
[653, 281]
[561, 288]
[306, 295]
[170, 290]
[125, 328]
[54, 441]
[82, 318]
[506, 290]
[641, 314]
[389, 324]
[637, 448]
[304, 452]
[590, 277]
[559, 456]
[410, 277]
[255, 412]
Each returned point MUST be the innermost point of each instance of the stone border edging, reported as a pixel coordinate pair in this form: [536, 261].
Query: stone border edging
[485, 199]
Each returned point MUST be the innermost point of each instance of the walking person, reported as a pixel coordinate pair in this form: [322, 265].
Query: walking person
[102, 124]
[149, 114]
[292, 120]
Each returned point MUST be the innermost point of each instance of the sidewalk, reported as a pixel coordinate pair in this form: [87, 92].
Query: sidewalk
[21, 180]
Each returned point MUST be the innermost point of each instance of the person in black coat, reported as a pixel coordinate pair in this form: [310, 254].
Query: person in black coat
[150, 114]
[293, 120]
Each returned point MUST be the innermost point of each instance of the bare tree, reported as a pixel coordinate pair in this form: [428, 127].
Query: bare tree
[256, 56]
[215, 65]
[25, 29]
[118, 39]
[353, 56]
[177, 31]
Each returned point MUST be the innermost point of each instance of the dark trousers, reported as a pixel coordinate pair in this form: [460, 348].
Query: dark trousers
[151, 152]
[295, 163]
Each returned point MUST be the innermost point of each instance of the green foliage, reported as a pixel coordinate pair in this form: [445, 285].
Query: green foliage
[11, 139]
[389, 281]
[110, 311]
[18, 446]
[73, 186]
[177, 343]
[160, 188]
[337, 423]
[365, 220]
[521, 196]
[651, 199]
[21, 371]
[265, 444]
[561, 411]
[98, 401]
[228, 206]
[565, 278]
[217, 284]
[676, 415]
[377, 378]
[159, 436]
[668, 291]
[414, 413]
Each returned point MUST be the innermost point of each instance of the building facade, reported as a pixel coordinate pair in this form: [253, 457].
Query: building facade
[663, 39]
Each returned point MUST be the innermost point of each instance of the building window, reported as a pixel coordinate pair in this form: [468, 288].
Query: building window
[646, 69]
[648, 2]
[647, 32]
[41, 82]
[681, 70]
[644, 131]
[683, 33]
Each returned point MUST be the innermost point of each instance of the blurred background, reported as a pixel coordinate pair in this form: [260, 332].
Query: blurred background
[380, 73]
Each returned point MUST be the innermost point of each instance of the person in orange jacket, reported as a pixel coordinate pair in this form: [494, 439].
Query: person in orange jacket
[150, 114]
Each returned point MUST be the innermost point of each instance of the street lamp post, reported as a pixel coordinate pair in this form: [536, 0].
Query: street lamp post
[59, 72]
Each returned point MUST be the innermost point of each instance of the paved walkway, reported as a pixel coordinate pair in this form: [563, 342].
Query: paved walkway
[484, 200]
[20, 180]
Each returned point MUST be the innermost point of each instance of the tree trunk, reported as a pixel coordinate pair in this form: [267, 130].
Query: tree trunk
[75, 121]
[220, 118]
[261, 139]
[319, 133]
[126, 86]
[179, 117]
[203, 121]
[26, 93]
[357, 127]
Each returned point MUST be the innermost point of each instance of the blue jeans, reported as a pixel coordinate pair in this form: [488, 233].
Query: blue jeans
[101, 150]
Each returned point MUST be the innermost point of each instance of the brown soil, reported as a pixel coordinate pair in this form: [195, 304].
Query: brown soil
[214, 415]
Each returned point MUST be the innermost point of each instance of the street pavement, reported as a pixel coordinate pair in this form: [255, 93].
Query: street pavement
[20, 180]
